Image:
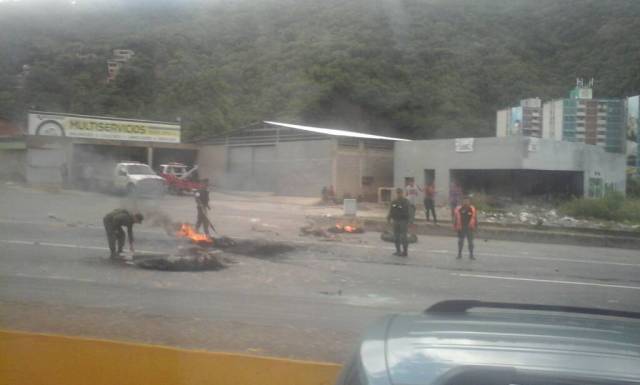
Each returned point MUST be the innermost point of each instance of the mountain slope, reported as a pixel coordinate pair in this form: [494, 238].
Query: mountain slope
[415, 68]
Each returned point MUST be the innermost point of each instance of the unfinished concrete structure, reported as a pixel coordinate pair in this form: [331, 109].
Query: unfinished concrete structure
[288, 159]
[13, 150]
[510, 166]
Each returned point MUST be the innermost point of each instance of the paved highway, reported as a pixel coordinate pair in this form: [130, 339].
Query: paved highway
[310, 303]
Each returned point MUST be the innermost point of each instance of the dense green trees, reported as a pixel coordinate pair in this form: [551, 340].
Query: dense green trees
[423, 68]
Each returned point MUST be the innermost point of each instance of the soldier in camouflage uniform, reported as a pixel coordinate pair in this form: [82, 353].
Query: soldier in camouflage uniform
[113, 224]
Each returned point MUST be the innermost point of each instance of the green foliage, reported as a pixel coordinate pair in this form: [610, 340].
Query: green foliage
[421, 68]
[613, 207]
[633, 186]
[483, 202]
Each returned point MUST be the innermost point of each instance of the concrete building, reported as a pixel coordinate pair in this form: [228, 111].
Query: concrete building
[633, 134]
[512, 166]
[525, 119]
[120, 56]
[289, 159]
[580, 118]
[13, 151]
[60, 145]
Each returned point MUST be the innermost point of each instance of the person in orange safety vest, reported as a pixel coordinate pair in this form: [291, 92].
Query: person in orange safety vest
[465, 223]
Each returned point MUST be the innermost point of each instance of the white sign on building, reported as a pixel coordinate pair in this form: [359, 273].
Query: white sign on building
[90, 127]
[464, 144]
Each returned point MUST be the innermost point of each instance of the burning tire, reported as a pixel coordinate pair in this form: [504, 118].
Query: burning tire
[351, 228]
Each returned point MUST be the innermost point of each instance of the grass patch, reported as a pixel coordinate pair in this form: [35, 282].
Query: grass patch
[613, 207]
[484, 202]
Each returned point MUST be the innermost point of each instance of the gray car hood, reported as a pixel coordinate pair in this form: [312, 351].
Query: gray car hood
[419, 349]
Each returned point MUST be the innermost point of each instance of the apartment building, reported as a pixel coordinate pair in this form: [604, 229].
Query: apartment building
[119, 57]
[525, 119]
[580, 118]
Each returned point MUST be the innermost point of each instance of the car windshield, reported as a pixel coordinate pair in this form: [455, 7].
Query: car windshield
[139, 169]
[187, 185]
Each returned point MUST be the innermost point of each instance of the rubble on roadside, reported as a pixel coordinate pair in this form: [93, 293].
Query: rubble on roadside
[543, 216]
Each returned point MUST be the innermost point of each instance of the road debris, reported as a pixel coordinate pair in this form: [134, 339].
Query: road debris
[351, 227]
[316, 230]
[185, 259]
[259, 248]
[258, 226]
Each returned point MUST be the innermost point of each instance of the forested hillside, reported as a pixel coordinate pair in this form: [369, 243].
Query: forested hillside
[416, 68]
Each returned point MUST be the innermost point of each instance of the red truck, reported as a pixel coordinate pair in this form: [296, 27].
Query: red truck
[179, 178]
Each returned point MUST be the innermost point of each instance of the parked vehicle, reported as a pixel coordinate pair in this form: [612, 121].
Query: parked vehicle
[493, 343]
[132, 178]
[180, 179]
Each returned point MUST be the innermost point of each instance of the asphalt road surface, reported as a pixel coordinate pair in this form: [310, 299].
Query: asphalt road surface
[310, 303]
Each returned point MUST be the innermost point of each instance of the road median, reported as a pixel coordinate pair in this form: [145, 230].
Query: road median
[31, 358]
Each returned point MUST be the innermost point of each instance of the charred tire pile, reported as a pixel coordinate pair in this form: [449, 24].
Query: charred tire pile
[197, 259]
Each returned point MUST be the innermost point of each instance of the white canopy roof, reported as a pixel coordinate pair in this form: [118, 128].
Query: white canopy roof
[331, 131]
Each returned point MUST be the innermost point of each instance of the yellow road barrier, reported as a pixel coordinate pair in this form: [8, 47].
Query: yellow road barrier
[33, 359]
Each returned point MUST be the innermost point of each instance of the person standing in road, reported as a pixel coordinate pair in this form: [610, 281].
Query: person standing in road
[202, 206]
[429, 202]
[411, 192]
[399, 213]
[465, 223]
[113, 224]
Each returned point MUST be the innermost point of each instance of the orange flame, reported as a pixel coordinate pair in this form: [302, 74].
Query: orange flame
[347, 228]
[186, 231]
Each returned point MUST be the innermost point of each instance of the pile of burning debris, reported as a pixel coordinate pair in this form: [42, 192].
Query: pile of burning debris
[346, 226]
[351, 226]
[199, 254]
[203, 252]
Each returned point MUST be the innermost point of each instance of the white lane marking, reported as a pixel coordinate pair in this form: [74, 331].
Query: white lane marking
[578, 283]
[54, 277]
[451, 252]
[525, 254]
[65, 245]
[557, 259]
[304, 242]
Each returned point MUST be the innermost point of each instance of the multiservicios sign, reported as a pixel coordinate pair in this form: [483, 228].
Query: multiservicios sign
[93, 127]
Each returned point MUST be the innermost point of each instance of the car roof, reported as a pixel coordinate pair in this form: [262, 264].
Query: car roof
[423, 348]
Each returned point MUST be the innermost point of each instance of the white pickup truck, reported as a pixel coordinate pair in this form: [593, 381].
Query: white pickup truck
[133, 178]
